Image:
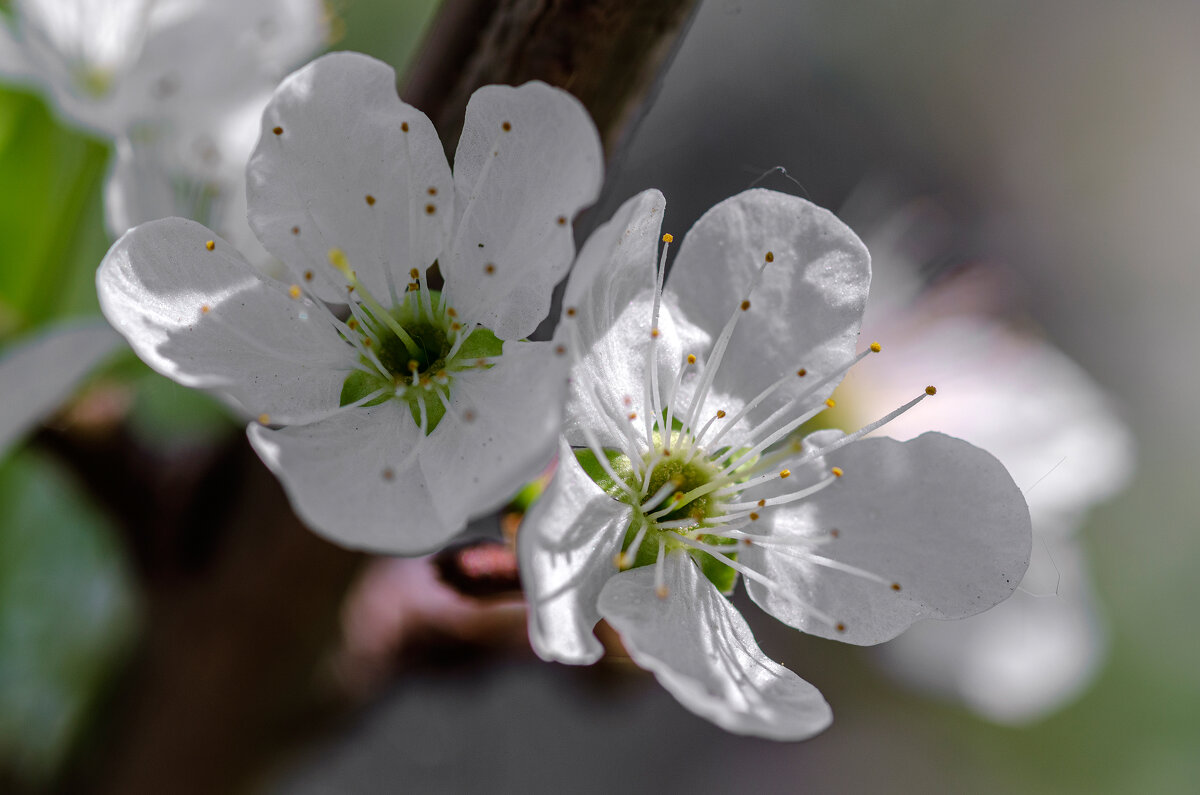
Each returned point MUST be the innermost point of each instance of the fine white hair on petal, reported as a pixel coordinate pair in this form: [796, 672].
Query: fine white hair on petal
[353, 478]
[528, 160]
[938, 522]
[808, 304]
[501, 430]
[194, 310]
[344, 164]
[701, 650]
[38, 372]
[566, 547]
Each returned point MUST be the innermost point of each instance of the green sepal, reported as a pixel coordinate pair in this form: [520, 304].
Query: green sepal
[620, 465]
[358, 385]
[717, 572]
[434, 411]
[482, 344]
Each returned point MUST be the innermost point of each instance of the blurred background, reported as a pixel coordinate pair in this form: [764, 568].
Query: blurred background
[1050, 147]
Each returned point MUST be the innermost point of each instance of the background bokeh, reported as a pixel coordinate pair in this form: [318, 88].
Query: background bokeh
[1060, 138]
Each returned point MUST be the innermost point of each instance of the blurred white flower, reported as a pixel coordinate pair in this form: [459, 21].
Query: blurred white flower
[410, 409]
[684, 398]
[39, 372]
[1020, 398]
[112, 65]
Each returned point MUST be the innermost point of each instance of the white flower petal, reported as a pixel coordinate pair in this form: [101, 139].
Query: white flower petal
[342, 173]
[1014, 395]
[701, 650]
[805, 313]
[528, 160]
[39, 372]
[515, 407]
[352, 478]
[206, 319]
[936, 516]
[611, 292]
[566, 546]
[1021, 660]
[13, 62]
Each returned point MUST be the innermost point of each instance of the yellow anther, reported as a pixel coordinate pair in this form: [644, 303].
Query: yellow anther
[895, 586]
[931, 390]
[561, 220]
[720, 414]
[571, 311]
[691, 359]
[370, 200]
[414, 365]
[784, 473]
[403, 126]
[745, 305]
[430, 209]
[654, 333]
[837, 472]
[264, 419]
[337, 258]
[210, 245]
[762, 502]
[353, 324]
[308, 276]
[489, 269]
[876, 347]
[414, 274]
[367, 342]
[802, 372]
[668, 238]
[830, 402]
[661, 592]
[294, 291]
[205, 309]
[506, 126]
[633, 415]
[560, 350]
[753, 516]
[450, 311]
[841, 627]
[770, 256]
[455, 326]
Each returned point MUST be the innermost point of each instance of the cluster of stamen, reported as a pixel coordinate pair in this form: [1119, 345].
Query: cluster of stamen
[688, 489]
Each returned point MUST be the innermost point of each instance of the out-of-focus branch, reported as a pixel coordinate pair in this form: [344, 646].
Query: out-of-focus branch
[608, 53]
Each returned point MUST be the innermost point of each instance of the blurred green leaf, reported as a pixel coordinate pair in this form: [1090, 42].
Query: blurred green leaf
[51, 216]
[67, 612]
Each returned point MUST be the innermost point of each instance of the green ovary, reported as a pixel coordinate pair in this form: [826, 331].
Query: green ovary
[433, 340]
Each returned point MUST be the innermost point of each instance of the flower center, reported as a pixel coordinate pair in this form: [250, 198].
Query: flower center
[409, 352]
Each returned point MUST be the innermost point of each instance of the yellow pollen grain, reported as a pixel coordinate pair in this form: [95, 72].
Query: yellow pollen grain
[389, 475]
[876, 347]
[432, 191]
[770, 256]
[370, 200]
[720, 414]
[414, 274]
[210, 245]
[753, 516]
[661, 592]
[654, 333]
[841, 627]
[468, 416]
[560, 350]
[837, 472]
[294, 291]
[353, 324]
[561, 220]
[762, 502]
[931, 390]
[506, 126]
[784, 473]
[264, 419]
[830, 402]
[895, 586]
[430, 209]
[278, 131]
[668, 238]
[633, 415]
[745, 305]
[570, 311]
[489, 269]
[205, 309]
[691, 359]
[295, 230]
[308, 276]
[802, 372]
[403, 126]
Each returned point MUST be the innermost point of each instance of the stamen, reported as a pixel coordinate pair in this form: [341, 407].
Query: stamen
[652, 398]
[782, 499]
[690, 359]
[338, 260]
[602, 459]
[863, 431]
[660, 587]
[664, 491]
[627, 558]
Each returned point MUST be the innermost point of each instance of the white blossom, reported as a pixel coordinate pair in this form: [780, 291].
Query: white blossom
[677, 472]
[392, 412]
